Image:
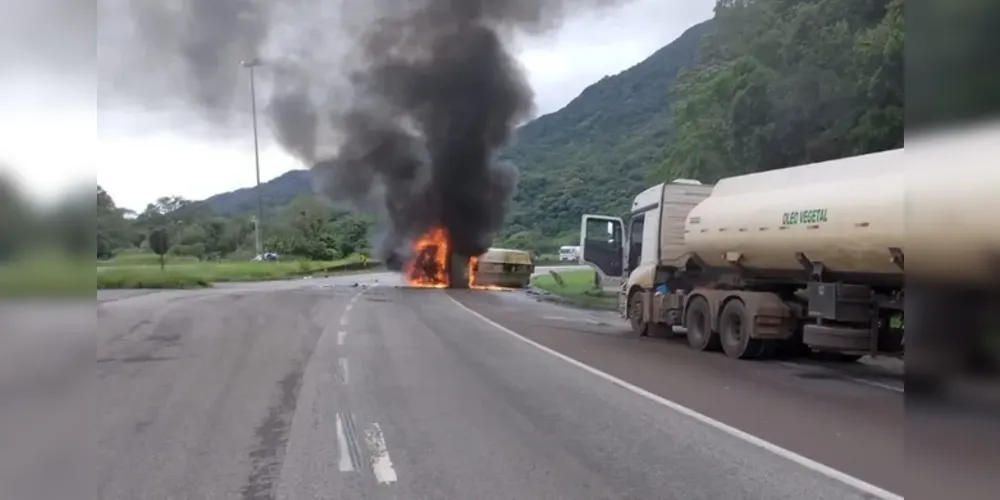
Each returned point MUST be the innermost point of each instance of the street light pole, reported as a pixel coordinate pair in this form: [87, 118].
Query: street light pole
[258, 231]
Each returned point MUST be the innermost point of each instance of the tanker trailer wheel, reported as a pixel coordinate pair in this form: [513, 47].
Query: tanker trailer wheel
[639, 327]
[697, 320]
[735, 327]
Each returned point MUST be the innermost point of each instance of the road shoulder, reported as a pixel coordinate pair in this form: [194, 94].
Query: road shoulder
[850, 427]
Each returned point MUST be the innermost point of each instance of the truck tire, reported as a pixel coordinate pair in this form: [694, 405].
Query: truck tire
[639, 327]
[698, 320]
[735, 327]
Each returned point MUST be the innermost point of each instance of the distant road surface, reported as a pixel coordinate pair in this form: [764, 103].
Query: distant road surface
[354, 387]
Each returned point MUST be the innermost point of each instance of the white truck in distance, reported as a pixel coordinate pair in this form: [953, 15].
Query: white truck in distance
[803, 256]
[569, 253]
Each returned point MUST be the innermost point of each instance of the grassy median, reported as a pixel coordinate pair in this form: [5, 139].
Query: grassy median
[195, 274]
[577, 287]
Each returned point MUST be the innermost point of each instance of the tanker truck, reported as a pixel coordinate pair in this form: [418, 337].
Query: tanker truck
[808, 257]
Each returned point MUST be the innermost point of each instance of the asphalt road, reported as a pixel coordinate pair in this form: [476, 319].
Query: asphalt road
[353, 387]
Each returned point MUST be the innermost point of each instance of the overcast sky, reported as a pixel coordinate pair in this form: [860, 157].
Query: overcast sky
[53, 137]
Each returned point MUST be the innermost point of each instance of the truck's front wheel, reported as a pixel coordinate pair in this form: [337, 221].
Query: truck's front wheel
[639, 326]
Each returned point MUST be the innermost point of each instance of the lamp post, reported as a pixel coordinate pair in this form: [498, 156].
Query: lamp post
[258, 231]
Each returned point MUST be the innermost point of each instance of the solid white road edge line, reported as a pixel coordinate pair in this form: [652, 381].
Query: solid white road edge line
[345, 456]
[808, 463]
[880, 385]
[381, 463]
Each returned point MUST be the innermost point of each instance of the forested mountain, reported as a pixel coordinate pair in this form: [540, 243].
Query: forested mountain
[277, 192]
[594, 155]
[789, 82]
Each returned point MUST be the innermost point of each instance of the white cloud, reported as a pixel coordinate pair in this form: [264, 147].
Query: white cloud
[47, 134]
[53, 142]
[604, 43]
[137, 170]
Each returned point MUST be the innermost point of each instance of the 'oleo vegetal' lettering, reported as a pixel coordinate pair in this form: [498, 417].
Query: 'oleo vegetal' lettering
[811, 216]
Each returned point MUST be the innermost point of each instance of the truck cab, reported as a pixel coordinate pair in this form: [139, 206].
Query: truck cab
[631, 249]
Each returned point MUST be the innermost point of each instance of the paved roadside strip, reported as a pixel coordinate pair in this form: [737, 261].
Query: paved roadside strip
[328, 428]
[849, 432]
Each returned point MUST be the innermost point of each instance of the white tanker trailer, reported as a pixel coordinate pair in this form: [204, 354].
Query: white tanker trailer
[810, 255]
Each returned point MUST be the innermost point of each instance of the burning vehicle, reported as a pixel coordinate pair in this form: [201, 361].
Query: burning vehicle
[435, 265]
[501, 267]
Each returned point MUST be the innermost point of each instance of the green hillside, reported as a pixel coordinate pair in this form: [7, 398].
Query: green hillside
[595, 154]
[765, 84]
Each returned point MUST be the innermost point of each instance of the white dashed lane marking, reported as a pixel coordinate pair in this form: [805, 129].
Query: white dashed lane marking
[342, 368]
[348, 442]
[381, 463]
[349, 449]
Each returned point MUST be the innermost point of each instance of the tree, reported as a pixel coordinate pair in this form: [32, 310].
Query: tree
[14, 211]
[115, 230]
[72, 225]
[159, 243]
[168, 204]
[785, 83]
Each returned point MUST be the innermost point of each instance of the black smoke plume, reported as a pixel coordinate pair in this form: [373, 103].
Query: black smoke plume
[424, 135]
[399, 107]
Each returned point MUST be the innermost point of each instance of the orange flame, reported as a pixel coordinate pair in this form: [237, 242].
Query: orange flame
[429, 266]
[473, 268]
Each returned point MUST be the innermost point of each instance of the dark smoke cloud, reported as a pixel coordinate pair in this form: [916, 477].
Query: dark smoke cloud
[399, 106]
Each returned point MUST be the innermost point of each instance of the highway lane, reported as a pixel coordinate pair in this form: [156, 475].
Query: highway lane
[46, 404]
[848, 417]
[322, 389]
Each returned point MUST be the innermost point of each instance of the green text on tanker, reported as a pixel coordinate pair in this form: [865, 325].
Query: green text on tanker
[812, 216]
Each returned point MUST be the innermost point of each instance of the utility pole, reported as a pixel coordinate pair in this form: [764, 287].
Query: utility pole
[258, 231]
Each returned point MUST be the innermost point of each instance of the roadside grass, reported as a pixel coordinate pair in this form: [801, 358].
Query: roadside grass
[144, 258]
[577, 288]
[202, 274]
[46, 274]
[550, 261]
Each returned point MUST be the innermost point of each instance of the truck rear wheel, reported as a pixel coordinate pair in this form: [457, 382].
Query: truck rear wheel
[735, 327]
[697, 320]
